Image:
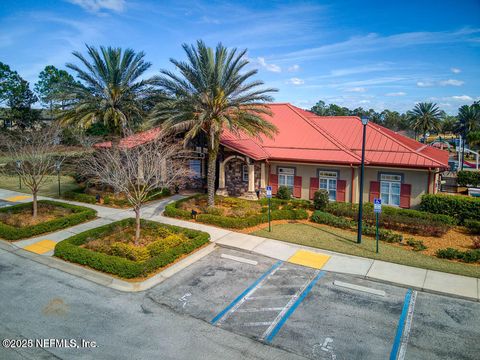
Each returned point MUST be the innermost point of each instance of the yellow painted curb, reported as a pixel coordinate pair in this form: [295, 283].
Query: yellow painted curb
[309, 258]
[18, 198]
[41, 247]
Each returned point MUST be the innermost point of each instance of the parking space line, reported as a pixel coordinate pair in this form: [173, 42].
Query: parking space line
[261, 297]
[259, 309]
[404, 325]
[241, 298]
[290, 308]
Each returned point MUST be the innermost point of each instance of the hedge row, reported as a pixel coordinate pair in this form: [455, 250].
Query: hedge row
[322, 217]
[473, 226]
[469, 256]
[80, 214]
[70, 250]
[79, 196]
[460, 207]
[405, 220]
[173, 210]
[468, 178]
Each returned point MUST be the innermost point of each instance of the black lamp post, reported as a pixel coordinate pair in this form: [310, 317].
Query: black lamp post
[19, 165]
[362, 169]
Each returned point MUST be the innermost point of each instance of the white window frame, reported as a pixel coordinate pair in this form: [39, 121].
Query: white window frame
[283, 174]
[245, 173]
[329, 176]
[389, 180]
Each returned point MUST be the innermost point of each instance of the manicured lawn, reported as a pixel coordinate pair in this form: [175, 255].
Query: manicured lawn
[328, 238]
[49, 188]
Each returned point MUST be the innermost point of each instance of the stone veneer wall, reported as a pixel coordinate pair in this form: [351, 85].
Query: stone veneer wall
[233, 177]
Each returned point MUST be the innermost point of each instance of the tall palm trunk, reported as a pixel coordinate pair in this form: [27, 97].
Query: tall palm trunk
[212, 166]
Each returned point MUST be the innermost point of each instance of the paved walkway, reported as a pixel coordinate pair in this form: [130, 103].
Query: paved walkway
[428, 280]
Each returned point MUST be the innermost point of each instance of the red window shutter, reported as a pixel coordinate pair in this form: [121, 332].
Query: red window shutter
[314, 185]
[374, 190]
[405, 193]
[273, 182]
[341, 186]
[297, 186]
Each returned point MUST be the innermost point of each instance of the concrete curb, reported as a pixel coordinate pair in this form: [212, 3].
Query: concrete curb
[108, 280]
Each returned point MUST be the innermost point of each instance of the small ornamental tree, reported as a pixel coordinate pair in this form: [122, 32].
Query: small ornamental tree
[139, 171]
[35, 153]
[320, 199]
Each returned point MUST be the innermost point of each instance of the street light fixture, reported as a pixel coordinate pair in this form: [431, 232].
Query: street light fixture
[362, 170]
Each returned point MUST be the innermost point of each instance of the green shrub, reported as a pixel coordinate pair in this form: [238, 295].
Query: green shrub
[459, 207]
[407, 220]
[468, 178]
[79, 196]
[158, 247]
[322, 217]
[417, 245]
[284, 193]
[468, 256]
[320, 199]
[70, 249]
[79, 214]
[473, 226]
[214, 210]
[129, 251]
[448, 253]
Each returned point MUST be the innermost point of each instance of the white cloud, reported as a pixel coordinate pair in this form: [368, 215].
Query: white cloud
[296, 81]
[269, 67]
[451, 82]
[462, 98]
[364, 102]
[456, 70]
[356, 89]
[97, 5]
[424, 83]
[400, 93]
[294, 68]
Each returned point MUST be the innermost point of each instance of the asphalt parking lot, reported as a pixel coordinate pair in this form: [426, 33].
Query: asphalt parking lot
[321, 315]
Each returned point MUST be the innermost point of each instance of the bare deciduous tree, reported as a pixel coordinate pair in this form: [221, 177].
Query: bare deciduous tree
[137, 172]
[36, 155]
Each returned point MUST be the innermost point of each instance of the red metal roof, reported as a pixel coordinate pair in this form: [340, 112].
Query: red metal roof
[305, 137]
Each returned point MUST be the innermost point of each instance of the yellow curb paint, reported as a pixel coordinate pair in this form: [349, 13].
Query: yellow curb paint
[18, 198]
[41, 247]
[309, 258]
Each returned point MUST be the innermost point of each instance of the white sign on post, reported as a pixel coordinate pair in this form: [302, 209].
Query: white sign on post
[377, 205]
[269, 191]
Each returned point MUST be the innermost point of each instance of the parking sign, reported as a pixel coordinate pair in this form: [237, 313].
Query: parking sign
[377, 205]
[269, 191]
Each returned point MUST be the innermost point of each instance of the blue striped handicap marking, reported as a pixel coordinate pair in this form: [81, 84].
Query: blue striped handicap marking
[245, 293]
[403, 328]
[291, 310]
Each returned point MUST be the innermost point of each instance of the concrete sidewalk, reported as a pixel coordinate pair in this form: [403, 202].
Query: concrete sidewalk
[412, 277]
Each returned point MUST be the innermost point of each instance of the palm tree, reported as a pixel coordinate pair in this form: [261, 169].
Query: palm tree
[468, 121]
[425, 117]
[110, 89]
[213, 92]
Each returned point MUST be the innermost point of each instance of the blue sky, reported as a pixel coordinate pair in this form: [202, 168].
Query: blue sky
[374, 54]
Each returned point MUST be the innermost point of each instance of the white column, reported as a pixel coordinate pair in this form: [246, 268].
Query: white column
[262, 176]
[221, 173]
[251, 178]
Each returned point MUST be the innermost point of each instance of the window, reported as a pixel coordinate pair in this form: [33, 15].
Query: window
[196, 168]
[286, 177]
[245, 173]
[390, 189]
[328, 181]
